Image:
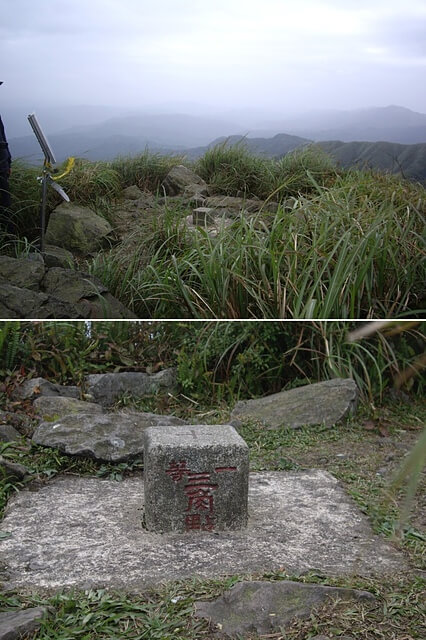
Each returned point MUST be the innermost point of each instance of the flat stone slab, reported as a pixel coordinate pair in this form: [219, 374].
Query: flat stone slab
[54, 407]
[87, 532]
[110, 437]
[267, 607]
[320, 403]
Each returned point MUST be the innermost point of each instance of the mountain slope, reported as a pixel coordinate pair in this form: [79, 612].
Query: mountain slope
[274, 147]
[409, 160]
[125, 135]
[391, 124]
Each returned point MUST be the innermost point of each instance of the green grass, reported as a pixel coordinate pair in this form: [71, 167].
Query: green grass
[350, 250]
[350, 245]
[235, 171]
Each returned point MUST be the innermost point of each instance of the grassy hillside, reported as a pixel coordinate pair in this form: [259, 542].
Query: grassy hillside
[348, 245]
[274, 147]
[406, 159]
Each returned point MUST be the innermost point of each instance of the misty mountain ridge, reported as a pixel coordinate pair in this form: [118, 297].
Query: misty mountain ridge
[374, 130]
[376, 124]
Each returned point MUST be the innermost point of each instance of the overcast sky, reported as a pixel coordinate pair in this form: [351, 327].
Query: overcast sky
[272, 55]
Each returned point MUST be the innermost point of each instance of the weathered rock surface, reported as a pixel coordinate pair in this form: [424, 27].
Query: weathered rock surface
[87, 295]
[22, 272]
[16, 302]
[180, 179]
[321, 403]
[23, 303]
[17, 624]
[86, 532]
[60, 293]
[8, 433]
[132, 193]
[106, 388]
[267, 607]
[76, 228]
[12, 470]
[113, 437]
[239, 204]
[54, 407]
[31, 389]
[57, 257]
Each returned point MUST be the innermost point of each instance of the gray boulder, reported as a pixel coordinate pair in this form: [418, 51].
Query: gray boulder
[76, 228]
[240, 204]
[181, 180]
[132, 193]
[21, 303]
[62, 293]
[8, 433]
[58, 257]
[321, 403]
[71, 286]
[54, 407]
[22, 272]
[267, 607]
[106, 388]
[12, 470]
[17, 624]
[113, 437]
[88, 296]
[31, 389]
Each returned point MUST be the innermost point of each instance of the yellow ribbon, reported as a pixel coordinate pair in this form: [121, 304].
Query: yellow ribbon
[69, 166]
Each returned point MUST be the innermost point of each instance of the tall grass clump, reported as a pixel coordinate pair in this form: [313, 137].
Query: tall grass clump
[235, 171]
[353, 250]
[303, 171]
[215, 360]
[146, 170]
[229, 360]
[92, 183]
[26, 199]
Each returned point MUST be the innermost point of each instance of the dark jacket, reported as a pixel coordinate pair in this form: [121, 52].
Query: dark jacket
[5, 157]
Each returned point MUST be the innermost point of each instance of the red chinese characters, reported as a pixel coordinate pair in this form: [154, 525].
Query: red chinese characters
[199, 490]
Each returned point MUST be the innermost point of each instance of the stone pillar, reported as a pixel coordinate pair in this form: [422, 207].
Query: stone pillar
[195, 478]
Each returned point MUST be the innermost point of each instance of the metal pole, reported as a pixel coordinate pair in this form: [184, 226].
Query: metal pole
[43, 209]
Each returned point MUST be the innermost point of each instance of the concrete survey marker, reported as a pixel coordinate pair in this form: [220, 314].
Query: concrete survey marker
[196, 478]
[87, 532]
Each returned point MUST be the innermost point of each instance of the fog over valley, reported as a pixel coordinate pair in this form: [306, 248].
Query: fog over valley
[115, 78]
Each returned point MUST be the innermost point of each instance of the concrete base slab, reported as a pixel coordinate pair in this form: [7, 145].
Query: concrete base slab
[87, 532]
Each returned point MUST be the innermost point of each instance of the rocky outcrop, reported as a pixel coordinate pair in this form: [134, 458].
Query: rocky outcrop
[30, 289]
[26, 273]
[181, 180]
[76, 228]
[114, 437]
[266, 607]
[8, 433]
[31, 389]
[106, 388]
[234, 205]
[16, 624]
[12, 470]
[58, 257]
[51, 408]
[132, 193]
[321, 403]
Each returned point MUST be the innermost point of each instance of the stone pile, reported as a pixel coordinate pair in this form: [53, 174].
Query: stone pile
[29, 288]
[196, 512]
